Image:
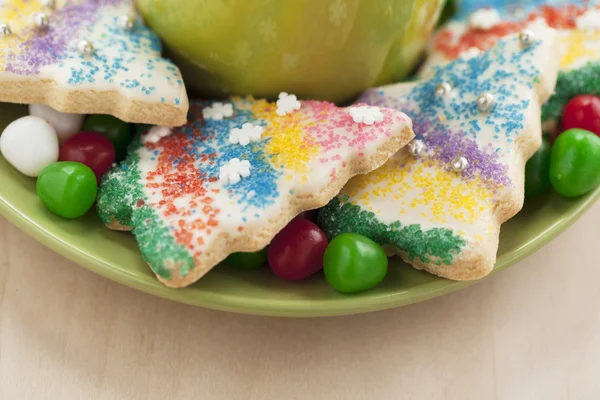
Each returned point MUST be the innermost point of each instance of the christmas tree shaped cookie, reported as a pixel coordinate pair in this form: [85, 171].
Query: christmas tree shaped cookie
[439, 202]
[478, 27]
[87, 57]
[237, 173]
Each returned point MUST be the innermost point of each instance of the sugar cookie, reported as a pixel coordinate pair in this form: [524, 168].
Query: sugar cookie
[87, 57]
[578, 27]
[440, 201]
[231, 183]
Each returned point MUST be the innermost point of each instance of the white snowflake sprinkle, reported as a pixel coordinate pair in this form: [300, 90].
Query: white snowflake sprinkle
[156, 133]
[366, 114]
[234, 170]
[246, 134]
[250, 194]
[217, 111]
[484, 18]
[287, 103]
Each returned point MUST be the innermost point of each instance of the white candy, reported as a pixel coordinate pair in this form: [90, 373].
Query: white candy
[29, 144]
[66, 125]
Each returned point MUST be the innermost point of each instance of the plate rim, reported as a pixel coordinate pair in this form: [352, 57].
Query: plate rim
[268, 307]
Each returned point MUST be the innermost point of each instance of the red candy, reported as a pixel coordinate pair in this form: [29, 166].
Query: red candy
[91, 149]
[297, 251]
[582, 112]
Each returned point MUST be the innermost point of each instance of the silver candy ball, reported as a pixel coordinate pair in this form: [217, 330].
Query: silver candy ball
[459, 164]
[85, 47]
[5, 30]
[485, 101]
[526, 37]
[416, 147]
[41, 20]
[126, 22]
[443, 89]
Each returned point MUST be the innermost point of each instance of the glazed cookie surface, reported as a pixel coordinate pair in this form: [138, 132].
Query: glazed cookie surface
[578, 28]
[237, 173]
[87, 57]
[439, 202]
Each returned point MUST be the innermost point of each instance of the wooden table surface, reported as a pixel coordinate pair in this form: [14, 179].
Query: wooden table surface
[531, 332]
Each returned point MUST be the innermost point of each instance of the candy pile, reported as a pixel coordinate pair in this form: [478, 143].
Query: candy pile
[69, 155]
[72, 153]
[569, 161]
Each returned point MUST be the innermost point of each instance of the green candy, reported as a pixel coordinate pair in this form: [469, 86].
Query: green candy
[247, 260]
[353, 263]
[67, 188]
[575, 162]
[117, 131]
[537, 171]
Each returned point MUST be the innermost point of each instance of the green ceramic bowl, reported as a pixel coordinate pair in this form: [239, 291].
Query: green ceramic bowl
[319, 49]
[115, 256]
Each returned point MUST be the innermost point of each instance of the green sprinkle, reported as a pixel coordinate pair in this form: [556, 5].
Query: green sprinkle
[122, 198]
[584, 80]
[437, 245]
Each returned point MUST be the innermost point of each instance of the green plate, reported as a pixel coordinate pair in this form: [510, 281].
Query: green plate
[115, 256]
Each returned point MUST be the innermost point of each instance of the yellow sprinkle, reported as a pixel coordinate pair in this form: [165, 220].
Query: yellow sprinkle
[439, 195]
[18, 14]
[575, 49]
[288, 134]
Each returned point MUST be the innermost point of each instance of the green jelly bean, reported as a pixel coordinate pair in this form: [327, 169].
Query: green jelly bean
[575, 162]
[117, 131]
[253, 260]
[537, 171]
[353, 263]
[67, 188]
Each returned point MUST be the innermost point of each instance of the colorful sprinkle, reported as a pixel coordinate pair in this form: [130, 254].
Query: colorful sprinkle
[577, 22]
[201, 189]
[85, 48]
[441, 203]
